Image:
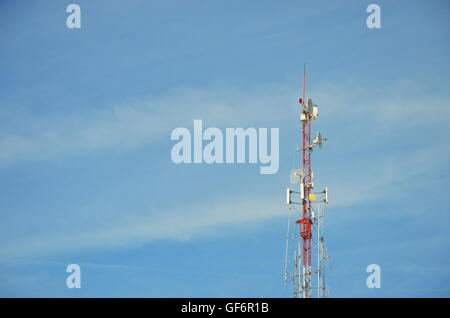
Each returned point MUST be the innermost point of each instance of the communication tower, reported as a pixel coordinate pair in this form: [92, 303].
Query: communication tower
[305, 237]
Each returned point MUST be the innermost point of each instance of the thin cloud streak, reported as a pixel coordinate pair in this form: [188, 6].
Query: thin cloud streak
[129, 125]
[138, 122]
[147, 120]
[210, 218]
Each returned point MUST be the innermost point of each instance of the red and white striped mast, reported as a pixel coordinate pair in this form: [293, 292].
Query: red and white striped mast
[307, 219]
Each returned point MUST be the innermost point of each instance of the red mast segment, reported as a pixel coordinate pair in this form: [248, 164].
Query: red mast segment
[306, 222]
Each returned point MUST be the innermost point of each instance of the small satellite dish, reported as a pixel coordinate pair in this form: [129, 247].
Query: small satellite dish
[295, 175]
[315, 112]
[319, 140]
[310, 106]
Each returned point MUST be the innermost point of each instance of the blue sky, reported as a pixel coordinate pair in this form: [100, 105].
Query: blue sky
[85, 170]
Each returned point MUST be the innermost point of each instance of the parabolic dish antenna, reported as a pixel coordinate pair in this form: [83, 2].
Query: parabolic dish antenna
[310, 106]
[320, 140]
[295, 175]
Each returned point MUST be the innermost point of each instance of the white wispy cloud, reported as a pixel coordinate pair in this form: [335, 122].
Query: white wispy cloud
[356, 120]
[137, 228]
[137, 122]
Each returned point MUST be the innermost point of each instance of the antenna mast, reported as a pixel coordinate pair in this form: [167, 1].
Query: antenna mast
[309, 216]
